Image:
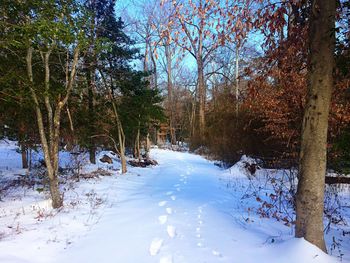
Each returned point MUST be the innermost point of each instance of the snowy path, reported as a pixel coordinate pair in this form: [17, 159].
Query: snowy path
[167, 216]
[179, 212]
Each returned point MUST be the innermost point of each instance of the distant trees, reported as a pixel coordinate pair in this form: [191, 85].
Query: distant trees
[200, 28]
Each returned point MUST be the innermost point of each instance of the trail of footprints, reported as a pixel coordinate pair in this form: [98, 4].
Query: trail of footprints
[157, 243]
[200, 239]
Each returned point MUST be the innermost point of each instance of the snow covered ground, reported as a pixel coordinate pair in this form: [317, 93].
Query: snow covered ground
[183, 210]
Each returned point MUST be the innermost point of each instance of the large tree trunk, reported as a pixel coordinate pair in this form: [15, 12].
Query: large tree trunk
[310, 194]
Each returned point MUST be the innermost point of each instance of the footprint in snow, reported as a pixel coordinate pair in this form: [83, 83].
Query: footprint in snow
[163, 219]
[199, 244]
[155, 246]
[169, 210]
[166, 259]
[173, 197]
[217, 253]
[171, 231]
[162, 203]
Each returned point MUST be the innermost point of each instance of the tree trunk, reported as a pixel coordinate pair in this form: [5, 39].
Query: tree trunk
[201, 95]
[50, 141]
[154, 84]
[90, 72]
[92, 147]
[138, 156]
[155, 74]
[193, 116]
[123, 162]
[137, 145]
[310, 194]
[237, 80]
[170, 94]
[121, 138]
[121, 135]
[148, 146]
[24, 156]
[56, 197]
[46, 147]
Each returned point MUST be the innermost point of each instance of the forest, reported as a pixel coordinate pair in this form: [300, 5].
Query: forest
[96, 96]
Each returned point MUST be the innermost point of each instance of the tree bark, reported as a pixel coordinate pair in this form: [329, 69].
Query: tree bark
[170, 94]
[148, 146]
[201, 95]
[121, 138]
[22, 145]
[57, 200]
[137, 153]
[310, 193]
[154, 84]
[24, 156]
[92, 147]
[90, 79]
[237, 80]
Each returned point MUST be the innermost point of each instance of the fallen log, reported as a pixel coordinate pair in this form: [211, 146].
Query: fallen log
[143, 163]
[337, 180]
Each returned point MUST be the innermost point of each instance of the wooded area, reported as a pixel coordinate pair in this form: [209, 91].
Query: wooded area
[264, 78]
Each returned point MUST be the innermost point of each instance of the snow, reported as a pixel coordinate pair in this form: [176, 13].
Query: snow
[179, 211]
